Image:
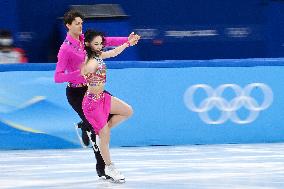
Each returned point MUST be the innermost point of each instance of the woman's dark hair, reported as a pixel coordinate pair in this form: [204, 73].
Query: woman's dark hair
[70, 16]
[89, 36]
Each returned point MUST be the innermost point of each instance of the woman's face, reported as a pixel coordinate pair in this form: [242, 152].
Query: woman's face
[76, 26]
[97, 43]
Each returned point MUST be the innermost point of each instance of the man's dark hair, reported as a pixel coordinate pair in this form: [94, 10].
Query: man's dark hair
[70, 16]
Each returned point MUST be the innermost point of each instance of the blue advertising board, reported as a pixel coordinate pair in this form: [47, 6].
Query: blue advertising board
[172, 105]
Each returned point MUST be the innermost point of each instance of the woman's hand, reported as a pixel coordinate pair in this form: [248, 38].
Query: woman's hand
[133, 39]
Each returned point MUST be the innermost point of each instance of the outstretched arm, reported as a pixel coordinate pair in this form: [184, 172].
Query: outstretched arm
[116, 41]
[113, 53]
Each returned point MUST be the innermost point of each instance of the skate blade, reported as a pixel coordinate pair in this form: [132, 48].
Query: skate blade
[108, 178]
[103, 178]
[120, 181]
[79, 137]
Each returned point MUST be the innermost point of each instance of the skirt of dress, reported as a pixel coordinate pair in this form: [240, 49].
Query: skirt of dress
[96, 108]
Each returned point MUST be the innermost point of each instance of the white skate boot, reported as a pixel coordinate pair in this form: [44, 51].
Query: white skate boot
[115, 175]
[79, 134]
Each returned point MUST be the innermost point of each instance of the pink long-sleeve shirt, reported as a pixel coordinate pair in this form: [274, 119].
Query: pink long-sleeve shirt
[71, 56]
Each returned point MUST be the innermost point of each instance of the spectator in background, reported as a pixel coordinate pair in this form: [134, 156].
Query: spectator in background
[9, 53]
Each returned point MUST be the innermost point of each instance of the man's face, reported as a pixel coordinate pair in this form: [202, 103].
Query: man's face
[76, 26]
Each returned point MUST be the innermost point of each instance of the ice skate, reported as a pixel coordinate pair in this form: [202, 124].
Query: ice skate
[84, 135]
[114, 174]
[79, 134]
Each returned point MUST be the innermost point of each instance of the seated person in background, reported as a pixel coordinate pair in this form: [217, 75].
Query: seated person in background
[9, 53]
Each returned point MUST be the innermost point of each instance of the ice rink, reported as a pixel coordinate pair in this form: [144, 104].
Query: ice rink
[246, 166]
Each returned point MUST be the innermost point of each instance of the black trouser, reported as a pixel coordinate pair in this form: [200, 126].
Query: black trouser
[75, 97]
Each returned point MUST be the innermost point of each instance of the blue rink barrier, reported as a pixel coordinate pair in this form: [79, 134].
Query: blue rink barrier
[174, 102]
[157, 64]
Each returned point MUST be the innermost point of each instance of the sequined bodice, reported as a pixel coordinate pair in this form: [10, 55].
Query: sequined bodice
[98, 77]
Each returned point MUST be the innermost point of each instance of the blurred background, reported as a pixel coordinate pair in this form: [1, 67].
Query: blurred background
[190, 51]
[205, 72]
[170, 30]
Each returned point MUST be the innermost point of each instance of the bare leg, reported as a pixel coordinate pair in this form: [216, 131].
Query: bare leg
[121, 111]
[104, 144]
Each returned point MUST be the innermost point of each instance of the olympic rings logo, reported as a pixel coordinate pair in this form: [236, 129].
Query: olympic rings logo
[228, 108]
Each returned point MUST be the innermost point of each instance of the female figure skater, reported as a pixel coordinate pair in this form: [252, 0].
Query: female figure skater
[71, 56]
[97, 103]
